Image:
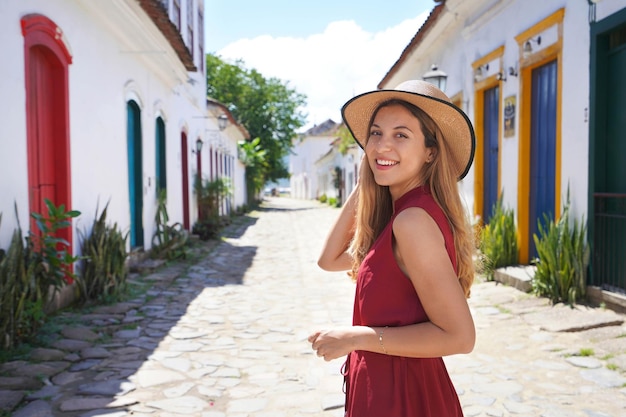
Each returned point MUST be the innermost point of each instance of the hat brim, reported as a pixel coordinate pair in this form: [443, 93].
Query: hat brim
[453, 123]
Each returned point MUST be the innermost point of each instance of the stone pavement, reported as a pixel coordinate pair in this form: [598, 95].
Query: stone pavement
[226, 336]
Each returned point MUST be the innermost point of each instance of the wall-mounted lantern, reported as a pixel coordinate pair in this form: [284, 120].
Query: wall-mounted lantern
[436, 77]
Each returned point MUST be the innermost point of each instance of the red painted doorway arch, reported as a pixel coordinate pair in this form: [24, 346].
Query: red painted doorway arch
[46, 61]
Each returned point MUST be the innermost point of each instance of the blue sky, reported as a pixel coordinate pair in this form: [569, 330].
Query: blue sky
[328, 50]
[231, 20]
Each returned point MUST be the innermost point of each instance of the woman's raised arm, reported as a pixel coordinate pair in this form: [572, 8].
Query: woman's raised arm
[334, 256]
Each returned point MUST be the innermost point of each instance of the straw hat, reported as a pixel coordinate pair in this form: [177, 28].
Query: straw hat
[455, 126]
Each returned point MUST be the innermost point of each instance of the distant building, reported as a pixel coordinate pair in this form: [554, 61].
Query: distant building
[309, 147]
[337, 173]
[223, 155]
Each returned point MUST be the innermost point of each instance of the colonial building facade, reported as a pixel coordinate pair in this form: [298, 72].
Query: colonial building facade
[104, 102]
[544, 85]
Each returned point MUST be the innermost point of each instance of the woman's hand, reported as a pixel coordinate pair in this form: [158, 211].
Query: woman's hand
[334, 343]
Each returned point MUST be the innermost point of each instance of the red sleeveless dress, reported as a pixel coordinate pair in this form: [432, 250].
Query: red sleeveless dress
[380, 385]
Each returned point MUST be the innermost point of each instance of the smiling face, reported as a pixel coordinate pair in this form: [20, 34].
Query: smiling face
[396, 149]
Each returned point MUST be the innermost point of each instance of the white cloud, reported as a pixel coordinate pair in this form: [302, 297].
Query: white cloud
[330, 67]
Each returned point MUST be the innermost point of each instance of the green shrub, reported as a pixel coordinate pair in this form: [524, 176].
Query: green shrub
[498, 241]
[332, 201]
[28, 269]
[53, 252]
[207, 229]
[16, 293]
[211, 195]
[323, 198]
[103, 268]
[169, 240]
[563, 257]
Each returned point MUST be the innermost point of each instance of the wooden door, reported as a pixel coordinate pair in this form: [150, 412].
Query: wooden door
[135, 174]
[542, 149]
[491, 117]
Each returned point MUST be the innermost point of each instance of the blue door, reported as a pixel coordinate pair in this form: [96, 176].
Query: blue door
[542, 149]
[490, 158]
[135, 174]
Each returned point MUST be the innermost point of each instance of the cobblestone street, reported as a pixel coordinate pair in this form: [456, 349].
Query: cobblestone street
[227, 337]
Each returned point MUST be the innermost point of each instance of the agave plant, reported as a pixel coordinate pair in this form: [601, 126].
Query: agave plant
[563, 257]
[169, 240]
[23, 291]
[498, 241]
[103, 270]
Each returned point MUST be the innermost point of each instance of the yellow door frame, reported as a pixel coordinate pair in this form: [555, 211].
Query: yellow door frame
[480, 85]
[527, 64]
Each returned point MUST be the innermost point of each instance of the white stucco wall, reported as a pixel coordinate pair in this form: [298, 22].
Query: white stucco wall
[231, 137]
[13, 174]
[350, 165]
[240, 192]
[105, 73]
[325, 173]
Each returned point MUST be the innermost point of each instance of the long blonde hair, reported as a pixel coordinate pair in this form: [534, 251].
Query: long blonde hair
[375, 208]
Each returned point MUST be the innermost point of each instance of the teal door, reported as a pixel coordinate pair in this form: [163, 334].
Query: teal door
[135, 174]
[491, 117]
[615, 163]
[608, 150]
[161, 171]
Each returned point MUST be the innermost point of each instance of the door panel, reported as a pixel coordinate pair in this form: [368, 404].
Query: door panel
[609, 257]
[490, 158]
[135, 175]
[616, 121]
[161, 167]
[542, 148]
[48, 151]
[185, 176]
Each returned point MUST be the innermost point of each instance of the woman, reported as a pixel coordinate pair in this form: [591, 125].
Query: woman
[404, 235]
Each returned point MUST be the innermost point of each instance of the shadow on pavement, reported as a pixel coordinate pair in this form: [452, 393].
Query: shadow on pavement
[93, 357]
[238, 227]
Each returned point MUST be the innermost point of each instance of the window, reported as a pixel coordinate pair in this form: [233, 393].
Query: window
[165, 4]
[176, 13]
[190, 26]
[201, 38]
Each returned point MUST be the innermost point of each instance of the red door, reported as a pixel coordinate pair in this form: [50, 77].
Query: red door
[47, 116]
[185, 175]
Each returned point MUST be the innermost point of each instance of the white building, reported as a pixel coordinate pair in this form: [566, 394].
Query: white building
[337, 173]
[544, 85]
[104, 102]
[223, 147]
[313, 143]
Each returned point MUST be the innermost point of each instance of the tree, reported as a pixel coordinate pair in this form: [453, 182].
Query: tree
[253, 157]
[346, 140]
[267, 107]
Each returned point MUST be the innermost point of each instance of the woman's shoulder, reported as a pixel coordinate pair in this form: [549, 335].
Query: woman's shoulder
[412, 216]
[419, 198]
[417, 210]
[414, 224]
